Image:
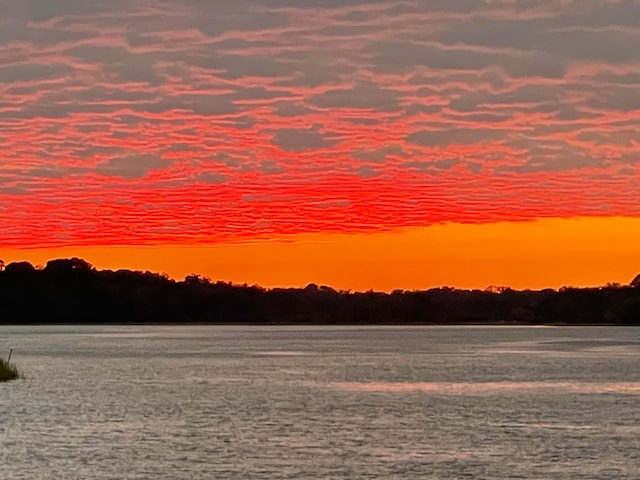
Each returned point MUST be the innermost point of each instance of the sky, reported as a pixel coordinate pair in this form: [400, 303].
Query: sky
[356, 143]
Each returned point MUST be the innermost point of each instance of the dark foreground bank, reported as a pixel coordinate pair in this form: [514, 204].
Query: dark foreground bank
[72, 291]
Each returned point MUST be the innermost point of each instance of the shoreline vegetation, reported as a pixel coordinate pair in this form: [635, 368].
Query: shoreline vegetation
[8, 371]
[72, 291]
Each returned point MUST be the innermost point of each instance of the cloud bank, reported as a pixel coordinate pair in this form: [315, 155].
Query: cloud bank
[182, 121]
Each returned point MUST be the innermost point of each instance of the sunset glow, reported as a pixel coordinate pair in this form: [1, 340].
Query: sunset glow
[354, 143]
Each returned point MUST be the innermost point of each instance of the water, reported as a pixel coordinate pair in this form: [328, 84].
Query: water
[159, 402]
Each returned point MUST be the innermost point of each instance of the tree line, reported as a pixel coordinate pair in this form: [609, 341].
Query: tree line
[73, 291]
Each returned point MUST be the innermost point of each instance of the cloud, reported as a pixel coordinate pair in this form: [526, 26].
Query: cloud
[211, 178]
[378, 154]
[334, 115]
[361, 96]
[44, 10]
[132, 166]
[432, 166]
[25, 72]
[454, 136]
[298, 139]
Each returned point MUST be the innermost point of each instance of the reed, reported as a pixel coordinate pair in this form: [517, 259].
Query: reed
[8, 371]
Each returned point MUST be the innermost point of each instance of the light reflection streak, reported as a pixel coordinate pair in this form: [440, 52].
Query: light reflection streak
[475, 388]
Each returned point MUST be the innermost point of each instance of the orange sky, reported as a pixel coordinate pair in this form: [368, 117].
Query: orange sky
[536, 254]
[348, 143]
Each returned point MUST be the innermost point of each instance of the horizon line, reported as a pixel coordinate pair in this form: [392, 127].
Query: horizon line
[492, 288]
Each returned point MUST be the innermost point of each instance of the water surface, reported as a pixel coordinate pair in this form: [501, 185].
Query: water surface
[147, 402]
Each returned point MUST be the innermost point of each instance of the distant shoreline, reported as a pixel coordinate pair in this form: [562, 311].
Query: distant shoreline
[71, 291]
[345, 325]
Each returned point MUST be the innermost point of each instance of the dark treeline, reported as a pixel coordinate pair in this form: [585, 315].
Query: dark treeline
[72, 291]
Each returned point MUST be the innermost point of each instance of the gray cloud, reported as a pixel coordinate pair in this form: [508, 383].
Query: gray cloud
[214, 19]
[455, 136]
[572, 30]
[43, 10]
[298, 140]
[132, 165]
[28, 72]
[386, 59]
[625, 99]
[431, 166]
[291, 109]
[200, 104]
[363, 95]
[211, 178]
[378, 154]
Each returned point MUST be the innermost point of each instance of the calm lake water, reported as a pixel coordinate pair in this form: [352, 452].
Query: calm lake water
[159, 402]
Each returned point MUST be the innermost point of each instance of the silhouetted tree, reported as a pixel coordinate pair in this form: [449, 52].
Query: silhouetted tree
[18, 268]
[72, 291]
[66, 265]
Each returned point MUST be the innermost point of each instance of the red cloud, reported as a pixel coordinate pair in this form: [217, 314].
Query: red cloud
[185, 123]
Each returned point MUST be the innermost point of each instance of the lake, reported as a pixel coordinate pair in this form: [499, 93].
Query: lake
[285, 402]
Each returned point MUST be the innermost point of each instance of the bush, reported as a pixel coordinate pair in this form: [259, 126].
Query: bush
[8, 371]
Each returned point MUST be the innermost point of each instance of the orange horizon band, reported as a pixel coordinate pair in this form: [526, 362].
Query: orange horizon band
[546, 253]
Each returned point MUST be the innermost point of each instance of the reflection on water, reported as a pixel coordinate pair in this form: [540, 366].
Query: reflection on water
[285, 353]
[475, 388]
[321, 403]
